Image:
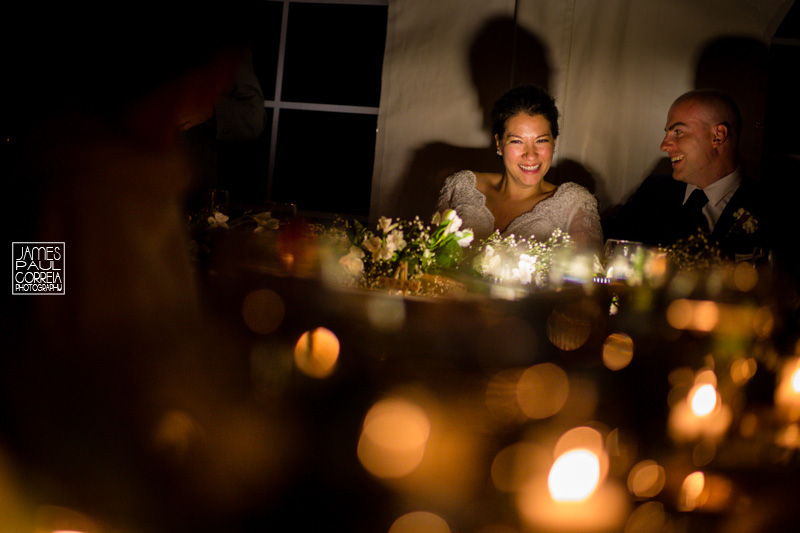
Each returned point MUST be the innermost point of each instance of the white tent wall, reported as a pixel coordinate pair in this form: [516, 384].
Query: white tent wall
[614, 67]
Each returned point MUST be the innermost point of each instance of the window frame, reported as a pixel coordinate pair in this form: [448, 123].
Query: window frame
[277, 104]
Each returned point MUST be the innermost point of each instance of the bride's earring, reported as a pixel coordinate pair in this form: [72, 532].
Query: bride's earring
[499, 152]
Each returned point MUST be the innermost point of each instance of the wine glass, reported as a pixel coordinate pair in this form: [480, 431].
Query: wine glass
[621, 258]
[218, 201]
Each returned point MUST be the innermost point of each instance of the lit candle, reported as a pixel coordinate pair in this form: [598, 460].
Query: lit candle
[701, 415]
[787, 394]
[575, 496]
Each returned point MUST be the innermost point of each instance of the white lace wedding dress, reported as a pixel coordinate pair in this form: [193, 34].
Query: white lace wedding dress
[572, 208]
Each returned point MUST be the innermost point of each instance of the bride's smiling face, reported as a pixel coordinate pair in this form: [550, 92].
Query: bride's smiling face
[527, 148]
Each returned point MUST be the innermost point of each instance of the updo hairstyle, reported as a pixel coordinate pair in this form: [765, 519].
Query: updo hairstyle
[529, 99]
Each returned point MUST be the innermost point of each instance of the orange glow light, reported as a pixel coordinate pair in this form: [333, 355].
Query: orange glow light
[316, 353]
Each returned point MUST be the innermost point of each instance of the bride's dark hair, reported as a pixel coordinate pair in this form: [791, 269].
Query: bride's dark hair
[530, 99]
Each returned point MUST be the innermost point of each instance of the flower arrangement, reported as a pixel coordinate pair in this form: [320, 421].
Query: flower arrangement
[694, 253]
[218, 220]
[519, 260]
[402, 249]
[205, 225]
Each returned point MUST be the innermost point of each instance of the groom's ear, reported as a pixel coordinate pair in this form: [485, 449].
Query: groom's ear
[720, 132]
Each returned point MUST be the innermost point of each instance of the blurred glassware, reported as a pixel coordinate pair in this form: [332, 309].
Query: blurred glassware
[623, 260]
[218, 201]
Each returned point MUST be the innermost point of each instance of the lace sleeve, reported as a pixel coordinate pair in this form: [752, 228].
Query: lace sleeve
[445, 195]
[584, 228]
[584, 221]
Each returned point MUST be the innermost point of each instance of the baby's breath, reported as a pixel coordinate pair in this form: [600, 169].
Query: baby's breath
[519, 260]
[693, 253]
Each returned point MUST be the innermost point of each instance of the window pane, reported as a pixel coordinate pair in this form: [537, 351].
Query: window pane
[266, 46]
[334, 54]
[324, 161]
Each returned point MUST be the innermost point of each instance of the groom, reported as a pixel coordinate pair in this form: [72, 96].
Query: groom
[706, 192]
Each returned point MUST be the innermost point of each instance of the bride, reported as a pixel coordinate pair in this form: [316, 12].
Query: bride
[519, 201]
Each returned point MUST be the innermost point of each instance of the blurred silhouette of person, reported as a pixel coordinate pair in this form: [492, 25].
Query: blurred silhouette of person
[117, 397]
[237, 116]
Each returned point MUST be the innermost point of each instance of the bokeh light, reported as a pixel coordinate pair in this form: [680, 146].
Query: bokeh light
[569, 328]
[646, 479]
[691, 495]
[698, 315]
[542, 390]
[742, 370]
[763, 322]
[703, 399]
[787, 392]
[574, 475]
[617, 351]
[263, 311]
[745, 276]
[705, 315]
[584, 437]
[316, 353]
[704, 452]
[679, 313]
[420, 522]
[176, 432]
[647, 518]
[393, 439]
[501, 395]
[514, 465]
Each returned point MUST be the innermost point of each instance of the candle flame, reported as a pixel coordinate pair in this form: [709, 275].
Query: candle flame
[574, 475]
[796, 380]
[703, 399]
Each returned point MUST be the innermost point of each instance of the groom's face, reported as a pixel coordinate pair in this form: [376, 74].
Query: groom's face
[688, 142]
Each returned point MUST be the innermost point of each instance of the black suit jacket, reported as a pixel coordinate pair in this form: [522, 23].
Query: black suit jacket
[655, 215]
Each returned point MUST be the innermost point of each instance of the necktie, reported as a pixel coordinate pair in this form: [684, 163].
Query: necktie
[695, 204]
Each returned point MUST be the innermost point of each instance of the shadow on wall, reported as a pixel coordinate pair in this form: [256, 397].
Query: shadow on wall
[738, 66]
[493, 71]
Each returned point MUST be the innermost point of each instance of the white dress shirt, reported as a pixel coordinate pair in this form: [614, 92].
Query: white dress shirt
[719, 194]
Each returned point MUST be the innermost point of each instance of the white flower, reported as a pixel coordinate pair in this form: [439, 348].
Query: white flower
[454, 225]
[750, 225]
[464, 238]
[371, 244]
[352, 262]
[385, 224]
[379, 250]
[526, 268]
[218, 220]
[394, 241]
[265, 221]
[449, 219]
[493, 264]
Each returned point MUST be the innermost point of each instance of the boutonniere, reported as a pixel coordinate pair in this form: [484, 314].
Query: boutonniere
[744, 221]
